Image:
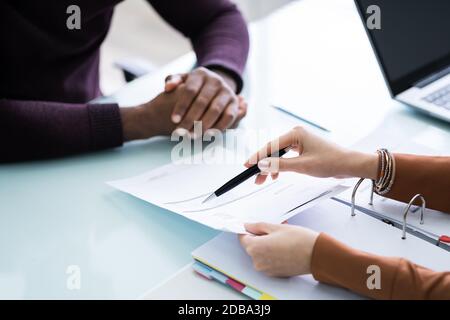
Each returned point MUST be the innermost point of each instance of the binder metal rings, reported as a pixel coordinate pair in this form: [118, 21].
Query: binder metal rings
[407, 208]
[422, 209]
[354, 195]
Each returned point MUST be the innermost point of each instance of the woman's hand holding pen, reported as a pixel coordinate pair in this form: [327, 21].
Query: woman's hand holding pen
[283, 250]
[316, 157]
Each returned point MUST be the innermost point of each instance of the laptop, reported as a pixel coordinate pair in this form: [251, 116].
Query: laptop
[411, 39]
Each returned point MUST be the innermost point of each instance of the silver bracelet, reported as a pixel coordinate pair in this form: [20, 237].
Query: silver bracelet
[387, 175]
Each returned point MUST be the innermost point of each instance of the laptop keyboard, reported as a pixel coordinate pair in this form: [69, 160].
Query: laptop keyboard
[440, 98]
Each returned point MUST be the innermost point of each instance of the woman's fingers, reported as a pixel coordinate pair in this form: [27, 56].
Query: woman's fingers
[260, 178]
[256, 229]
[260, 228]
[245, 239]
[284, 141]
[279, 249]
[275, 165]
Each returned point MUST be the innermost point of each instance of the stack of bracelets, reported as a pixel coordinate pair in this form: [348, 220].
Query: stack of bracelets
[387, 172]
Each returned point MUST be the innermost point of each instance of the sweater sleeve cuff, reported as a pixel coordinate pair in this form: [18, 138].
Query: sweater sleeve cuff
[323, 252]
[337, 264]
[230, 70]
[106, 126]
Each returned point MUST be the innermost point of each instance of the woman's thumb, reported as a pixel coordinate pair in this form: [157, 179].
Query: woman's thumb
[274, 165]
[260, 228]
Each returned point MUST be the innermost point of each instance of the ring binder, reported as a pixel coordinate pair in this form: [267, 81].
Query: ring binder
[407, 208]
[354, 194]
[371, 193]
[422, 209]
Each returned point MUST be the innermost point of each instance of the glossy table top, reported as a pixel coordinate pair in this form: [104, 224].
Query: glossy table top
[59, 213]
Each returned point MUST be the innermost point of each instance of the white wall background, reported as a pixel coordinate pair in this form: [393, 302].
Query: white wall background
[137, 31]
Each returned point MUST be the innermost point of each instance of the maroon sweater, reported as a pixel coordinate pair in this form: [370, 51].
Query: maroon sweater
[49, 73]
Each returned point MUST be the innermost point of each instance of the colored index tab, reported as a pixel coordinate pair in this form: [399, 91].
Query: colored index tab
[202, 270]
[266, 296]
[219, 277]
[235, 285]
[252, 293]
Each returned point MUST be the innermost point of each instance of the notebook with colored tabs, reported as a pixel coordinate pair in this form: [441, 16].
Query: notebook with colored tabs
[223, 258]
[211, 274]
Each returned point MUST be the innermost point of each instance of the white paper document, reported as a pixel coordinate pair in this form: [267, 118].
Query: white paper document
[181, 188]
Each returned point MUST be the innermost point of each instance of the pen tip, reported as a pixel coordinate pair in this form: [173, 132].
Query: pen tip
[210, 197]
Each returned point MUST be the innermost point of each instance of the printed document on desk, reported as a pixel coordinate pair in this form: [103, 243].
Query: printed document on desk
[181, 188]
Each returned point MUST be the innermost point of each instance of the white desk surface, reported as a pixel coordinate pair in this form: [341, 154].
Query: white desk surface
[186, 284]
[313, 55]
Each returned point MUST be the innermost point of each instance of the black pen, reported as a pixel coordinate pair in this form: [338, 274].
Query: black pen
[250, 172]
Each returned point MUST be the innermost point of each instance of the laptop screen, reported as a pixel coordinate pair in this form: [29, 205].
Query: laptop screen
[413, 41]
